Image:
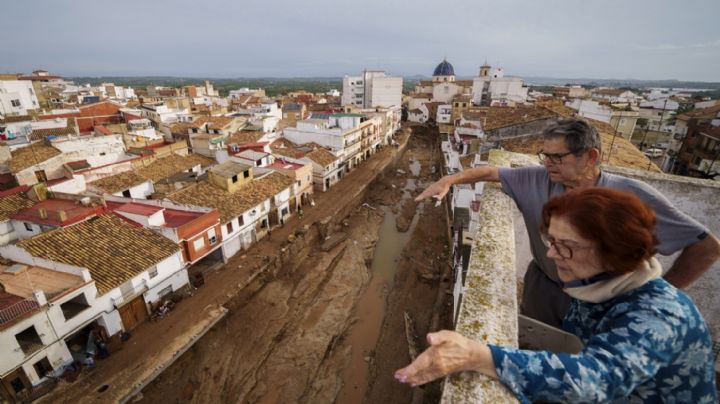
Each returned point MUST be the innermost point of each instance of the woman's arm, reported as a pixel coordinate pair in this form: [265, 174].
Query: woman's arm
[449, 352]
[612, 365]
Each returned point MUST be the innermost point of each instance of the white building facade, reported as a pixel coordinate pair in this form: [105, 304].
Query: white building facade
[372, 89]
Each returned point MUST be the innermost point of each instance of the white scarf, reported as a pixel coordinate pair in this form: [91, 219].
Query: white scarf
[600, 291]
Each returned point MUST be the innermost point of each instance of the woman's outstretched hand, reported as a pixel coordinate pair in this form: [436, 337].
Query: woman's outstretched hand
[449, 352]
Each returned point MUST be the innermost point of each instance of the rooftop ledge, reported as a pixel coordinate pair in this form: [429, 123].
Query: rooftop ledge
[488, 309]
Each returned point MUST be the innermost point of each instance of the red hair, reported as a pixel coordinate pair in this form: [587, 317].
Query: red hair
[620, 224]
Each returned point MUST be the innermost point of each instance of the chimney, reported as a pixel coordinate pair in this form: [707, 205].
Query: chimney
[43, 213]
[62, 216]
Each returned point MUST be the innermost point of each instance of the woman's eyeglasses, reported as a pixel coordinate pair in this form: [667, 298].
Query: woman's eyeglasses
[563, 249]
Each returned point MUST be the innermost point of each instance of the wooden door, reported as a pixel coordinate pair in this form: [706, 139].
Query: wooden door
[133, 313]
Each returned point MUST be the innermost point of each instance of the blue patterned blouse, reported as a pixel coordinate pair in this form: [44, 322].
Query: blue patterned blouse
[648, 345]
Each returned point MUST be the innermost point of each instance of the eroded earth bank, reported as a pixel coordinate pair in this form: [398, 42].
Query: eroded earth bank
[329, 325]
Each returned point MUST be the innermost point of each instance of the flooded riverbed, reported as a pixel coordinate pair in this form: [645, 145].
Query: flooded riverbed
[371, 306]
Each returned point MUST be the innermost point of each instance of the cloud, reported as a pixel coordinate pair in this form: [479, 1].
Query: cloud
[667, 46]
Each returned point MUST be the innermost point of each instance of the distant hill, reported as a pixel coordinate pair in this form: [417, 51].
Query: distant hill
[633, 83]
[274, 85]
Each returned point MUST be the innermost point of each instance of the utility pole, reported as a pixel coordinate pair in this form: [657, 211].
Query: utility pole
[617, 124]
[662, 116]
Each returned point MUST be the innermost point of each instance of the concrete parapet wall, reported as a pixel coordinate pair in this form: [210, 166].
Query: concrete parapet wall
[488, 311]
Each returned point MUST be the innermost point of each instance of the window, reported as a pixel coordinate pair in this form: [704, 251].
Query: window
[153, 272]
[17, 385]
[212, 236]
[165, 291]
[246, 173]
[234, 179]
[199, 243]
[126, 193]
[28, 226]
[42, 367]
[74, 306]
[229, 227]
[15, 103]
[29, 340]
[298, 183]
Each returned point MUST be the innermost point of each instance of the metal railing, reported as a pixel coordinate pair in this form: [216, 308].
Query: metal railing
[16, 310]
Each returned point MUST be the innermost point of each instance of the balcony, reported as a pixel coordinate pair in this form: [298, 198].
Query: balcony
[17, 310]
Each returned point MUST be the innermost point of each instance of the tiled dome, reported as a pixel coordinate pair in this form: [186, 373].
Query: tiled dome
[444, 69]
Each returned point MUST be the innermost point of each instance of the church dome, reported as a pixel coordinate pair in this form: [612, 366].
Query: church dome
[444, 69]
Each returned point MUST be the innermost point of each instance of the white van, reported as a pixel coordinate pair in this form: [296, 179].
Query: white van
[654, 152]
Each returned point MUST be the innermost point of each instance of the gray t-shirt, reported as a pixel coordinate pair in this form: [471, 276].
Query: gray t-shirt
[530, 188]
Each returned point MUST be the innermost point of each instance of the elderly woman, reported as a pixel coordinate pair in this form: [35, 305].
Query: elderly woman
[645, 341]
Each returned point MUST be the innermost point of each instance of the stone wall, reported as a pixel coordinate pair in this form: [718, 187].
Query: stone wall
[488, 310]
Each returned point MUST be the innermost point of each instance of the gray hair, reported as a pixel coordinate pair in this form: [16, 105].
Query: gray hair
[579, 135]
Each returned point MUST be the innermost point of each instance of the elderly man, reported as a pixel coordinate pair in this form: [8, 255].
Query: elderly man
[571, 158]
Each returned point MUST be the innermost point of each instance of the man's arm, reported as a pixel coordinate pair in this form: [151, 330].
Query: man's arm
[694, 260]
[470, 176]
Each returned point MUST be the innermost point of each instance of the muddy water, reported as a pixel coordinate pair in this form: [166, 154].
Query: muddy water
[371, 305]
[415, 167]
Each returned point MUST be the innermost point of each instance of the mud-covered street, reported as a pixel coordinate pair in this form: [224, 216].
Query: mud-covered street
[313, 313]
[329, 325]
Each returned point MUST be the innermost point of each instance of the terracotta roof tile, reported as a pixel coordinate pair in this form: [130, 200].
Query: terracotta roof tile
[232, 205]
[197, 123]
[41, 134]
[13, 203]
[166, 167]
[284, 147]
[500, 117]
[219, 122]
[180, 128]
[707, 113]
[200, 159]
[321, 156]
[312, 151]
[119, 182]
[159, 169]
[214, 122]
[242, 137]
[31, 155]
[113, 250]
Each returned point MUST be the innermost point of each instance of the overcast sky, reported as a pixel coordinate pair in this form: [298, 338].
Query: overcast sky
[642, 39]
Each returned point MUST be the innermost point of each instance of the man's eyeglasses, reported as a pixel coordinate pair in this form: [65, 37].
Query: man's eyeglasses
[565, 251]
[555, 158]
